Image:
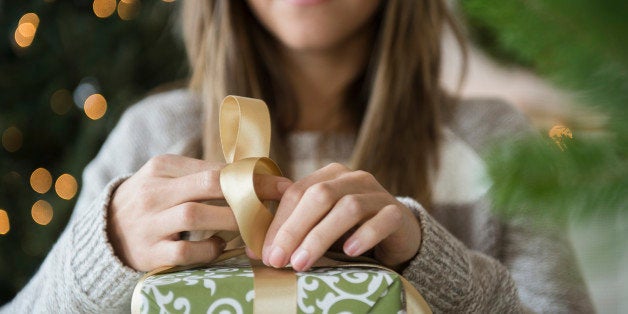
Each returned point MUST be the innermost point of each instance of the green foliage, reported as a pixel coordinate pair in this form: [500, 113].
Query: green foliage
[580, 45]
[127, 58]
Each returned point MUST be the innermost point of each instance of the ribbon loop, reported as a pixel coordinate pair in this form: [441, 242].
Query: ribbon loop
[252, 215]
[244, 128]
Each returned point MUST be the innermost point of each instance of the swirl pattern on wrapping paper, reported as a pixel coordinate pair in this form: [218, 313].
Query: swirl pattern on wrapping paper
[162, 293]
[333, 290]
[211, 290]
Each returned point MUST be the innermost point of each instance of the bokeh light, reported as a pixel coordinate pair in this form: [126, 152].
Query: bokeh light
[167, 0]
[558, 134]
[41, 180]
[5, 226]
[42, 212]
[87, 86]
[104, 8]
[95, 106]
[128, 9]
[66, 186]
[12, 139]
[26, 29]
[61, 101]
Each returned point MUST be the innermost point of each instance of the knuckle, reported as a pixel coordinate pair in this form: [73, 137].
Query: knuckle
[156, 164]
[181, 253]
[351, 205]
[188, 214]
[394, 213]
[293, 194]
[336, 166]
[368, 232]
[321, 192]
[287, 235]
[207, 179]
[364, 176]
[314, 240]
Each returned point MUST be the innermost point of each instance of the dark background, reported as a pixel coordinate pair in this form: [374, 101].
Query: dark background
[122, 59]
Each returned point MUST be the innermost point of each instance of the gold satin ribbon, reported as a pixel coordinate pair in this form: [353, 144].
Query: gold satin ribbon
[245, 138]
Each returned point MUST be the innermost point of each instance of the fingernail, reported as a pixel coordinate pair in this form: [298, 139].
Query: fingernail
[282, 186]
[352, 247]
[300, 259]
[277, 257]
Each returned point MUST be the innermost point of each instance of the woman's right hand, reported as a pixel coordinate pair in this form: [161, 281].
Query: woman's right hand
[149, 210]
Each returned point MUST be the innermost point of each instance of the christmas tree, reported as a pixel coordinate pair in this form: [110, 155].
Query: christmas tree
[582, 181]
[580, 45]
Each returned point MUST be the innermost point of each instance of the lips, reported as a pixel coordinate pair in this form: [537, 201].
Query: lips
[305, 2]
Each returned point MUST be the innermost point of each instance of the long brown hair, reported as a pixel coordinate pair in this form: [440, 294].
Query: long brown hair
[399, 104]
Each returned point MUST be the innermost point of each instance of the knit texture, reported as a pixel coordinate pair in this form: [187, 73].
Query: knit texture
[468, 262]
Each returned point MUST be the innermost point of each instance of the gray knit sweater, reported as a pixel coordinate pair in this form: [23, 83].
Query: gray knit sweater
[468, 260]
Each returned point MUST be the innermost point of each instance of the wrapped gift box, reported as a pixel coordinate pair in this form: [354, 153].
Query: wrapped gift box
[229, 289]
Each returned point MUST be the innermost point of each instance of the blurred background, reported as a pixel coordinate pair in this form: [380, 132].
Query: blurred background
[68, 69]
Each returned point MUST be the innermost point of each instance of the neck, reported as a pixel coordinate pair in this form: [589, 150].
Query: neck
[319, 80]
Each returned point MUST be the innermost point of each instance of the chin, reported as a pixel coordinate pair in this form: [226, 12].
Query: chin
[313, 24]
[308, 42]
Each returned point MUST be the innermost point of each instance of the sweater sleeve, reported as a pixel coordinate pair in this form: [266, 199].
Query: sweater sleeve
[81, 273]
[536, 274]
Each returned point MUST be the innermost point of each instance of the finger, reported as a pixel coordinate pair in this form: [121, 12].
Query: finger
[175, 253]
[205, 185]
[174, 166]
[193, 216]
[269, 187]
[289, 201]
[374, 231]
[346, 214]
[315, 203]
[250, 253]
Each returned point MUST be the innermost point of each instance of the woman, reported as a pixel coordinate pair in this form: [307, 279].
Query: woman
[355, 82]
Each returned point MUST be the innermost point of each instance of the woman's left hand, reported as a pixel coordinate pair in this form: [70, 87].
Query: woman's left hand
[320, 209]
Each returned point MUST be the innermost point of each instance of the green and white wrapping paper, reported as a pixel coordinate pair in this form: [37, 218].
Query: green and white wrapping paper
[229, 289]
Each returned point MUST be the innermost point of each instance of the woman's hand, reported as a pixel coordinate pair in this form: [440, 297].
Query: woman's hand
[317, 211]
[150, 209]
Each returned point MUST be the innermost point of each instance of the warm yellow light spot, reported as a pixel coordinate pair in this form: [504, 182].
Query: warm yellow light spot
[128, 9]
[5, 226]
[12, 139]
[30, 18]
[95, 106]
[66, 186]
[558, 133]
[26, 29]
[61, 101]
[42, 212]
[41, 180]
[167, 0]
[21, 40]
[104, 8]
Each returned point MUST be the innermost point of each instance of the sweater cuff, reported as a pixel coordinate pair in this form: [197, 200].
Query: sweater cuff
[441, 269]
[99, 272]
